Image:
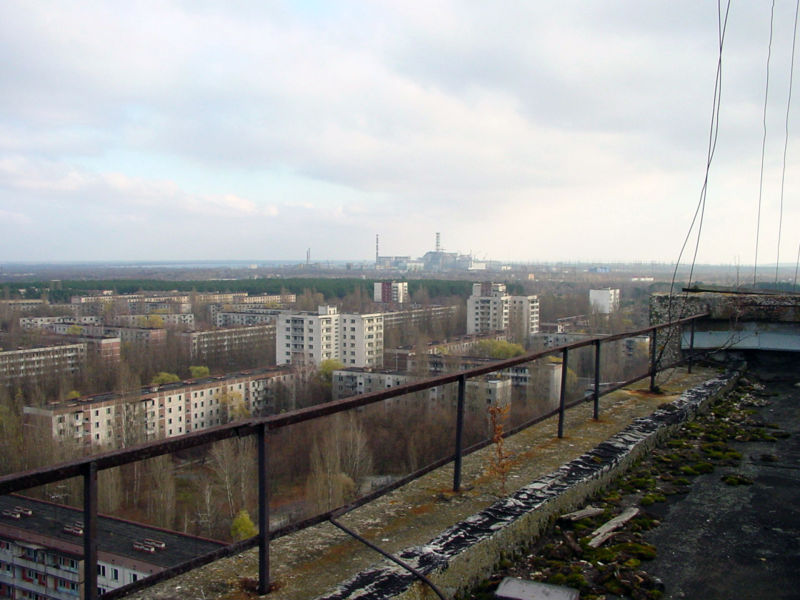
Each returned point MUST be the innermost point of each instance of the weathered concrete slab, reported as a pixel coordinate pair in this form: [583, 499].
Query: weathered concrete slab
[512, 588]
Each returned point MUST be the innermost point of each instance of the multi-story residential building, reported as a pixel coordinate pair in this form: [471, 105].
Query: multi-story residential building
[604, 301]
[391, 292]
[142, 320]
[34, 363]
[398, 358]
[147, 337]
[480, 392]
[542, 341]
[361, 338]
[46, 322]
[487, 308]
[490, 308]
[309, 338]
[41, 550]
[112, 420]
[203, 345]
[410, 317]
[22, 306]
[246, 318]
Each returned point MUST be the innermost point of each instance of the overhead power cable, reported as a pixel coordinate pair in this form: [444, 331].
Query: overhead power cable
[763, 142]
[786, 140]
[722, 25]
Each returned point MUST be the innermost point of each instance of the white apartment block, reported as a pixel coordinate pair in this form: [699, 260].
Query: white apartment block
[157, 412]
[355, 340]
[604, 301]
[490, 308]
[395, 292]
[361, 338]
[41, 550]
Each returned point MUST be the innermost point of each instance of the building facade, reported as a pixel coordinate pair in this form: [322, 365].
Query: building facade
[157, 412]
[34, 363]
[605, 301]
[491, 308]
[310, 338]
[41, 550]
[391, 292]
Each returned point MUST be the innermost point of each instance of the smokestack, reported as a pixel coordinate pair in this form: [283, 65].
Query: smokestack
[308, 257]
[438, 242]
[377, 237]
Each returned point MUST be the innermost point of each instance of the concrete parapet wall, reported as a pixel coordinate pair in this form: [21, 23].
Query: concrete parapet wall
[467, 552]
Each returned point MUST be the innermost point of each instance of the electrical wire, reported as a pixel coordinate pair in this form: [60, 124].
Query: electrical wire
[722, 25]
[713, 133]
[786, 141]
[763, 142]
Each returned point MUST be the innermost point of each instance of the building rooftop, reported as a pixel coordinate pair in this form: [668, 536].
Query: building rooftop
[115, 536]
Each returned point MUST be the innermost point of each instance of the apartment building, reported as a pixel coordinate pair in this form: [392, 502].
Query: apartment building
[305, 337]
[246, 317]
[202, 345]
[171, 320]
[33, 363]
[410, 317]
[398, 358]
[605, 301]
[361, 338]
[30, 323]
[308, 338]
[491, 308]
[110, 420]
[391, 292]
[22, 306]
[41, 550]
[149, 338]
[479, 392]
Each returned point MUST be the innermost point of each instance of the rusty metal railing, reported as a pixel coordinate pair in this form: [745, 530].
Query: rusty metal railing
[88, 467]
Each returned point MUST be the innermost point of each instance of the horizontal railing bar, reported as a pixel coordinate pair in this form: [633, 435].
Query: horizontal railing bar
[44, 475]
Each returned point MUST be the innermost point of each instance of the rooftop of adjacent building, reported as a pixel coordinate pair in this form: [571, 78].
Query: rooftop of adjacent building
[48, 521]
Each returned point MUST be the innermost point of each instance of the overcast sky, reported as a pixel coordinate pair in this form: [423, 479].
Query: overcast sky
[526, 131]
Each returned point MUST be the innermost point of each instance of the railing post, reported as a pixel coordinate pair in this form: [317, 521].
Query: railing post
[691, 347]
[90, 530]
[596, 379]
[653, 361]
[462, 384]
[563, 394]
[263, 510]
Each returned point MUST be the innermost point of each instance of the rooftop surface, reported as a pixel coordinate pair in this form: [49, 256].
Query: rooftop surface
[114, 536]
[730, 530]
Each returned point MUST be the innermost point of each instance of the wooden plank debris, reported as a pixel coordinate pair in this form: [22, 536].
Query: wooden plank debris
[606, 531]
[584, 513]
